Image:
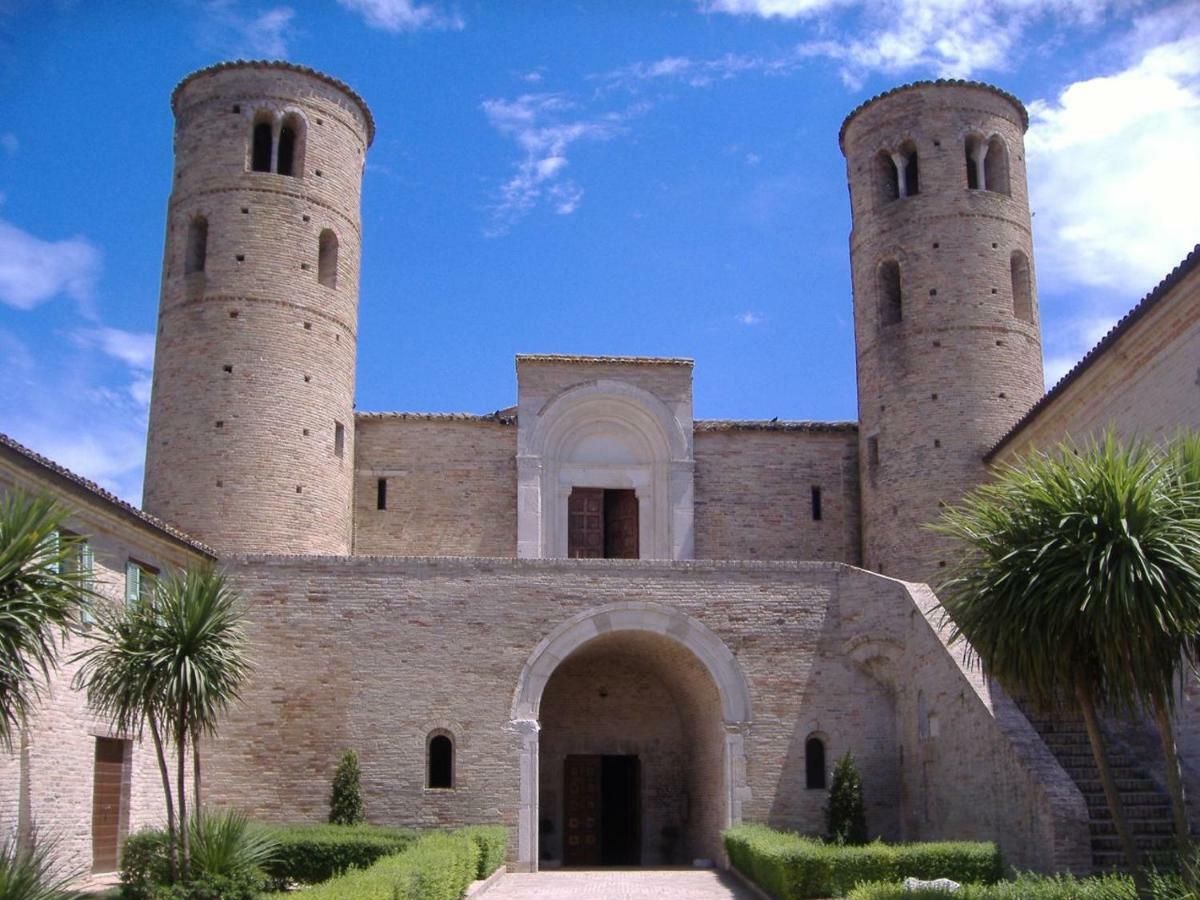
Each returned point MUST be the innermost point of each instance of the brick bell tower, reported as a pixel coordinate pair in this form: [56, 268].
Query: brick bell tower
[251, 438]
[946, 323]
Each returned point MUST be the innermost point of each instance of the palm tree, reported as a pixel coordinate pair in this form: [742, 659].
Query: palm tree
[176, 664]
[1082, 580]
[41, 595]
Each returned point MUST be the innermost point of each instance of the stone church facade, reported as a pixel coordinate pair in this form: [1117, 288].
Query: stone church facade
[611, 626]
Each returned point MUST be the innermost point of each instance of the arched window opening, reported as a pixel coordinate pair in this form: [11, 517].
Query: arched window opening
[975, 149]
[291, 146]
[327, 258]
[887, 179]
[814, 763]
[910, 185]
[1022, 287]
[890, 299]
[197, 245]
[260, 157]
[441, 762]
[995, 166]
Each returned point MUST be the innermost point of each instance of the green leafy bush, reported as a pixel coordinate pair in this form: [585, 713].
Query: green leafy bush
[846, 821]
[791, 867]
[145, 863]
[313, 853]
[492, 841]
[345, 801]
[238, 886]
[1024, 887]
[29, 872]
[437, 866]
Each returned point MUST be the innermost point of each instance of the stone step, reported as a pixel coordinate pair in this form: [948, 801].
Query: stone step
[1145, 843]
[1139, 826]
[1130, 799]
[1124, 785]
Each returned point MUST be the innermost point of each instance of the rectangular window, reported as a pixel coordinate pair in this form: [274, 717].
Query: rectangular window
[873, 451]
[816, 503]
[381, 494]
[79, 561]
[139, 582]
[339, 439]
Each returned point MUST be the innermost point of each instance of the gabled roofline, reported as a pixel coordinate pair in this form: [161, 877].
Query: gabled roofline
[1190, 263]
[64, 476]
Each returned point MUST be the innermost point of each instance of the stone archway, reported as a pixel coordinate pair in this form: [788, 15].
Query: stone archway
[705, 667]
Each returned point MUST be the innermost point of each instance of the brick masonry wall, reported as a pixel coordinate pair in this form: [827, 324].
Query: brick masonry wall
[754, 495]
[255, 359]
[939, 388]
[47, 777]
[451, 486]
[410, 645]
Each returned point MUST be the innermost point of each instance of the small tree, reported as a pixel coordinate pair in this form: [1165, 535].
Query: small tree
[346, 802]
[846, 820]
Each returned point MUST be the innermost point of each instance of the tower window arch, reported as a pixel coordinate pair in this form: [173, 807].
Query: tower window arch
[887, 179]
[197, 245]
[891, 303]
[974, 149]
[1022, 286]
[327, 258]
[814, 763]
[291, 146]
[262, 144]
[995, 166]
[439, 768]
[907, 166]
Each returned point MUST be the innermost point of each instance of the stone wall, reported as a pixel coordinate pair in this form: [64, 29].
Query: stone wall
[46, 779]
[451, 485]
[407, 646]
[754, 493]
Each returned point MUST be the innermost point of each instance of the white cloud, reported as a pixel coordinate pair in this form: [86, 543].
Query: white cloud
[1112, 165]
[402, 15]
[33, 271]
[544, 126]
[9, 143]
[134, 349]
[750, 318]
[264, 33]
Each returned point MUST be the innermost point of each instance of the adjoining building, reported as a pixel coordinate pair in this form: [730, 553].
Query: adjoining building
[611, 626]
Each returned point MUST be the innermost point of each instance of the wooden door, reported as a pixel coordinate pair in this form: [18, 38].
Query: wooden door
[581, 812]
[106, 803]
[585, 523]
[620, 524]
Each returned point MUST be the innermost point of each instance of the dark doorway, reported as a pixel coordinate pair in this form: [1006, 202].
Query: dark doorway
[602, 811]
[602, 523]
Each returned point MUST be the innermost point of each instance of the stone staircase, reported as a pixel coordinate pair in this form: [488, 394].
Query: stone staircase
[1147, 806]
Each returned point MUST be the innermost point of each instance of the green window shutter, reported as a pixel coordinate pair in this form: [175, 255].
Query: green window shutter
[53, 547]
[133, 582]
[87, 559]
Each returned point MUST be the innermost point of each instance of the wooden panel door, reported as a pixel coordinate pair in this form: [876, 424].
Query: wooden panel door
[106, 803]
[585, 523]
[581, 811]
[620, 524]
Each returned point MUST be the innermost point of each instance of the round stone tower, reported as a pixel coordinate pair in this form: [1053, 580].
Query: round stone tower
[251, 440]
[945, 310]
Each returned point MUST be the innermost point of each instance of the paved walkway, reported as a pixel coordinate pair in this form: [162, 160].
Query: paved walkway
[620, 884]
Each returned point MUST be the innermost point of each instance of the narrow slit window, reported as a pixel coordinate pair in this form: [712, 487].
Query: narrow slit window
[887, 179]
[327, 258]
[912, 181]
[441, 762]
[973, 150]
[291, 146]
[814, 764]
[891, 303]
[197, 245]
[339, 439]
[260, 157]
[873, 451]
[995, 166]
[816, 503]
[1022, 287]
[381, 494]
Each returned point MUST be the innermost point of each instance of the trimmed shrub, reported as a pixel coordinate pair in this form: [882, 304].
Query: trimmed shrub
[437, 866]
[313, 853]
[1025, 887]
[845, 818]
[791, 867]
[145, 863]
[345, 800]
[492, 841]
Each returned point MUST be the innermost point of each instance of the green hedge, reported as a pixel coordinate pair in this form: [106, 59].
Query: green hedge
[312, 853]
[791, 867]
[436, 866]
[1025, 887]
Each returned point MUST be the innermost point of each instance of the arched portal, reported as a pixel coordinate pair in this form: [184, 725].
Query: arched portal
[638, 710]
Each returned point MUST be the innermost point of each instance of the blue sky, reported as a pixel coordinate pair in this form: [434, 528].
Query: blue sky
[612, 177]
